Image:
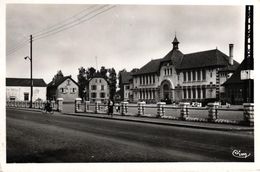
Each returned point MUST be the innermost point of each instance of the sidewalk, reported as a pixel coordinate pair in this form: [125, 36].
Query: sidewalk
[159, 121]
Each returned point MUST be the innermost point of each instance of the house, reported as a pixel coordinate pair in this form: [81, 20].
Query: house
[184, 77]
[63, 87]
[236, 89]
[98, 89]
[19, 89]
[126, 85]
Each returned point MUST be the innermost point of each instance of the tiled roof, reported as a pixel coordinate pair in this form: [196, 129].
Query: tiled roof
[204, 59]
[210, 58]
[151, 67]
[25, 82]
[57, 82]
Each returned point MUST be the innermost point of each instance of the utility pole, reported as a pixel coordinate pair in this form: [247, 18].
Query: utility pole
[31, 71]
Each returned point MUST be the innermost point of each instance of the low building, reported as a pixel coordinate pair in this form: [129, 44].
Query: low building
[19, 89]
[236, 89]
[64, 87]
[98, 89]
[126, 86]
[184, 77]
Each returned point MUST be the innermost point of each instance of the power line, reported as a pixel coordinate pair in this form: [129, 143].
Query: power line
[21, 46]
[63, 21]
[18, 45]
[47, 35]
[70, 23]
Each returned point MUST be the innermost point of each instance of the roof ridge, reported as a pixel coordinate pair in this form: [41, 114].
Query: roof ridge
[200, 52]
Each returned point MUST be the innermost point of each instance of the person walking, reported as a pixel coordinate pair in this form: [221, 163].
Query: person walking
[110, 107]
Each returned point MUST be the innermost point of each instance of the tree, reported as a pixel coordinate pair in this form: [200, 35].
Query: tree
[103, 72]
[112, 82]
[58, 76]
[121, 86]
[82, 81]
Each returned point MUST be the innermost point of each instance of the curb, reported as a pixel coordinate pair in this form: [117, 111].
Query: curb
[150, 122]
[164, 123]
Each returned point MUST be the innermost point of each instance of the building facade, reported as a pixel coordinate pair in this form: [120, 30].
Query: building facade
[19, 89]
[126, 85]
[65, 88]
[98, 89]
[184, 77]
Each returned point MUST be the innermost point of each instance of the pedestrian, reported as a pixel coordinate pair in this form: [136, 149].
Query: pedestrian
[110, 107]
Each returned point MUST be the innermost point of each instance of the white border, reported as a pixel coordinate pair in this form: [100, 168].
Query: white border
[115, 167]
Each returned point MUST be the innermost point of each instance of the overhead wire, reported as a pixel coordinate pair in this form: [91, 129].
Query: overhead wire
[68, 27]
[63, 21]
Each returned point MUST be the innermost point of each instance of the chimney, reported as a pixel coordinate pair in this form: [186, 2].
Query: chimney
[231, 47]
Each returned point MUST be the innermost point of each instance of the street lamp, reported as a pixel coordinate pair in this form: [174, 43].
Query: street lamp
[27, 57]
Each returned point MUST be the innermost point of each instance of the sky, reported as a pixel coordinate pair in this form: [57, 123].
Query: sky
[124, 37]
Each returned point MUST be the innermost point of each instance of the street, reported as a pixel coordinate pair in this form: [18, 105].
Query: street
[36, 137]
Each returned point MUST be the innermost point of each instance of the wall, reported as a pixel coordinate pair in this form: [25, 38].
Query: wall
[18, 93]
[68, 95]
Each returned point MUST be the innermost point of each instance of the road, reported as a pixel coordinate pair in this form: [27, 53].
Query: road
[36, 137]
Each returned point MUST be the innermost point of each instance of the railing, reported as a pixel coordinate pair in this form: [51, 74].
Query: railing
[212, 113]
[56, 105]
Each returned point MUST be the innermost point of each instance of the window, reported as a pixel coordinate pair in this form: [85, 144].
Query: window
[12, 98]
[199, 92]
[170, 71]
[102, 87]
[153, 79]
[127, 87]
[199, 75]
[93, 87]
[203, 74]
[99, 80]
[189, 93]
[184, 76]
[63, 90]
[189, 76]
[102, 95]
[211, 73]
[194, 93]
[68, 82]
[140, 80]
[72, 90]
[26, 96]
[93, 95]
[203, 93]
[184, 94]
[164, 71]
[194, 75]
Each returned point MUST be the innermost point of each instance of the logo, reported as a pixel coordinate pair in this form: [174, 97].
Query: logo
[239, 154]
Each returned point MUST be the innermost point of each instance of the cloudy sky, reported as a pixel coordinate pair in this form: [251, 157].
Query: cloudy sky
[126, 36]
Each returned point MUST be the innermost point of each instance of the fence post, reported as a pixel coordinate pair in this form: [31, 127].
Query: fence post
[184, 110]
[59, 104]
[249, 113]
[124, 108]
[213, 112]
[160, 109]
[140, 108]
[87, 104]
[97, 106]
[77, 104]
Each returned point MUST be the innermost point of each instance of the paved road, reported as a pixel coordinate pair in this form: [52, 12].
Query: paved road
[37, 137]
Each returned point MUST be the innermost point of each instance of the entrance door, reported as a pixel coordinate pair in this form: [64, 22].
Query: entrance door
[26, 96]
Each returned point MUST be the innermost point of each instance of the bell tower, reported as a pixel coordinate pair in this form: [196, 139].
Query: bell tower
[175, 43]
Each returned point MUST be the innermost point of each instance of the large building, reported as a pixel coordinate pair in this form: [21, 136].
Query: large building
[19, 89]
[184, 77]
[63, 87]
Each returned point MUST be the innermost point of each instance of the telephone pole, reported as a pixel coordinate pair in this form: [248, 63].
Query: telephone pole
[31, 71]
